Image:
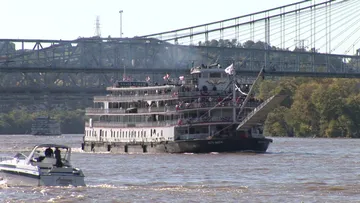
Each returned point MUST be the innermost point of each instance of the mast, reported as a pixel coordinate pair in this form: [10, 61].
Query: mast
[234, 93]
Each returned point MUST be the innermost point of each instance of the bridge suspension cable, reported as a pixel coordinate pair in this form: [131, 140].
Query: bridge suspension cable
[222, 21]
[315, 27]
[176, 37]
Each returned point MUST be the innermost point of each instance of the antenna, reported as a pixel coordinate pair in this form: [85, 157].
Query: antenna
[97, 27]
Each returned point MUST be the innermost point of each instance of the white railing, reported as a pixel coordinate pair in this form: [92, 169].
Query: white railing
[207, 119]
[214, 104]
[183, 107]
[184, 121]
[90, 111]
[201, 93]
[134, 97]
[131, 124]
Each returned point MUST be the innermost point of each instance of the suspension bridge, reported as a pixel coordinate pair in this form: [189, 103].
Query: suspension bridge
[307, 38]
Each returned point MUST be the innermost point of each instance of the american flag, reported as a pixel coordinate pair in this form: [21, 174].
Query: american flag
[166, 77]
[127, 78]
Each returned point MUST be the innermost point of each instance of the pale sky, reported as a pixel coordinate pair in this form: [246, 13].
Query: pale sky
[69, 19]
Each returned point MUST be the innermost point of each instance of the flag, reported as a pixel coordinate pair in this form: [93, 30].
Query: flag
[230, 69]
[166, 77]
[147, 79]
[126, 78]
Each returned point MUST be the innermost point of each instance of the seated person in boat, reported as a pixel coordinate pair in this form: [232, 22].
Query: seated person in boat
[49, 157]
[49, 152]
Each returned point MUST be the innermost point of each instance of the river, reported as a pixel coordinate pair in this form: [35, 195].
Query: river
[293, 170]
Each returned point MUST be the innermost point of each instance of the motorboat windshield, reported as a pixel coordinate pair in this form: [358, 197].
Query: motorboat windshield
[40, 152]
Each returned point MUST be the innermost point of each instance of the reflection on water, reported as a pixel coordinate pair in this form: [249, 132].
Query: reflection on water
[294, 170]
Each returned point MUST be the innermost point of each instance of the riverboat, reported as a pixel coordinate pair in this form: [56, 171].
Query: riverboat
[200, 113]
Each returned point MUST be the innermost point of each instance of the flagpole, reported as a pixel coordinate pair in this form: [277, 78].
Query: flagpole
[234, 93]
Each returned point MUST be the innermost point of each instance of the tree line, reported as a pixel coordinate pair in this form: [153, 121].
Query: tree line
[314, 107]
[19, 121]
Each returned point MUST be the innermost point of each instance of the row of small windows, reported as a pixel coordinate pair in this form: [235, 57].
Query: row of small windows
[123, 134]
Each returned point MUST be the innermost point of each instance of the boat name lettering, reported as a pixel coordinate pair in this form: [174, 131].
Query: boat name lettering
[64, 181]
[131, 84]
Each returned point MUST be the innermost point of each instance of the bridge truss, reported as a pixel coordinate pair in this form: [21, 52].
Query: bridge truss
[300, 39]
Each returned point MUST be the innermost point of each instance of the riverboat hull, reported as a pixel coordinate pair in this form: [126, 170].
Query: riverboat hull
[257, 145]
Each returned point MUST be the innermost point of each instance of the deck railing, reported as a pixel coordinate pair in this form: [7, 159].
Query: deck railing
[131, 124]
[90, 111]
[185, 121]
[124, 98]
[183, 107]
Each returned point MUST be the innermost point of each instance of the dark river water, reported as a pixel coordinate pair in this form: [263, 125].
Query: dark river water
[293, 170]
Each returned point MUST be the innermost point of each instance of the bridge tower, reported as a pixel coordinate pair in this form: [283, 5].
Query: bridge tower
[97, 27]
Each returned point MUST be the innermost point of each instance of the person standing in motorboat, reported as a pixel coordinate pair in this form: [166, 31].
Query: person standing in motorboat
[58, 157]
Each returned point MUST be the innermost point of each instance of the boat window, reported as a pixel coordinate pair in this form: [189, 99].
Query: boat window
[161, 133]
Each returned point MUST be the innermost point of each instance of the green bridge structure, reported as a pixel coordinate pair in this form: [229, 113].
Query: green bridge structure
[303, 39]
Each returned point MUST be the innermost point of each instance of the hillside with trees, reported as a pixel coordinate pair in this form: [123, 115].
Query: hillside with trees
[314, 108]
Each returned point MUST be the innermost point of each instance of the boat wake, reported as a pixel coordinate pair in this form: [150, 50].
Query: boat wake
[3, 183]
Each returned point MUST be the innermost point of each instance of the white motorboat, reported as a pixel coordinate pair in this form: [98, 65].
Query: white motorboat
[46, 165]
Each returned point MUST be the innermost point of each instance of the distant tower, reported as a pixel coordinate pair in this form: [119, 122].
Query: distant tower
[97, 27]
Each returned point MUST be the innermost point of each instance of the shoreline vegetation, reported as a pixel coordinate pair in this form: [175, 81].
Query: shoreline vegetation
[19, 121]
[323, 107]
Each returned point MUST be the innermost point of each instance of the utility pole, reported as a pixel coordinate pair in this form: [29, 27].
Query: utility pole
[121, 33]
